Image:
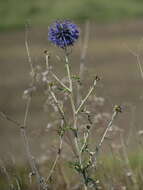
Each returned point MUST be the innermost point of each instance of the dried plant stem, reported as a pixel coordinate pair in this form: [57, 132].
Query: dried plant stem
[73, 107]
[107, 129]
[87, 96]
[28, 52]
[60, 82]
[26, 111]
[29, 58]
[53, 74]
[125, 155]
[26, 141]
[75, 118]
[139, 64]
[76, 136]
[61, 112]
[68, 72]
[85, 187]
[82, 60]
[84, 49]
[8, 118]
[56, 160]
[40, 180]
[47, 60]
[63, 123]
[117, 109]
[85, 141]
[30, 157]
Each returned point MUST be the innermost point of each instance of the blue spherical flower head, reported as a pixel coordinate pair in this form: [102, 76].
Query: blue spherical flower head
[63, 33]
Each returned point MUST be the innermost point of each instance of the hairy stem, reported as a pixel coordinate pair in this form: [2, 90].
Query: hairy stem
[73, 106]
[117, 109]
[86, 97]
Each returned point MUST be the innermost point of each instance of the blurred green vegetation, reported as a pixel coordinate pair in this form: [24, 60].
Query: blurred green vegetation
[112, 170]
[15, 13]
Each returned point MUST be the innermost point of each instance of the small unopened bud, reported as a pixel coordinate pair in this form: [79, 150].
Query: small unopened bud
[46, 52]
[91, 153]
[118, 108]
[59, 151]
[88, 127]
[97, 78]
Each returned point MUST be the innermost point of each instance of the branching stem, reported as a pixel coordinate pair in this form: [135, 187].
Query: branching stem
[60, 82]
[117, 109]
[87, 96]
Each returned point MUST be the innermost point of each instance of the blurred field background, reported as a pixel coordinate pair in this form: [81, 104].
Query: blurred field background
[113, 26]
[13, 14]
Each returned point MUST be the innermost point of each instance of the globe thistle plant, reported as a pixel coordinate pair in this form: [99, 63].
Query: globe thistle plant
[63, 33]
[72, 118]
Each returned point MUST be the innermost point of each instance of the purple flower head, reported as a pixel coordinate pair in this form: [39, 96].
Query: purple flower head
[63, 33]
